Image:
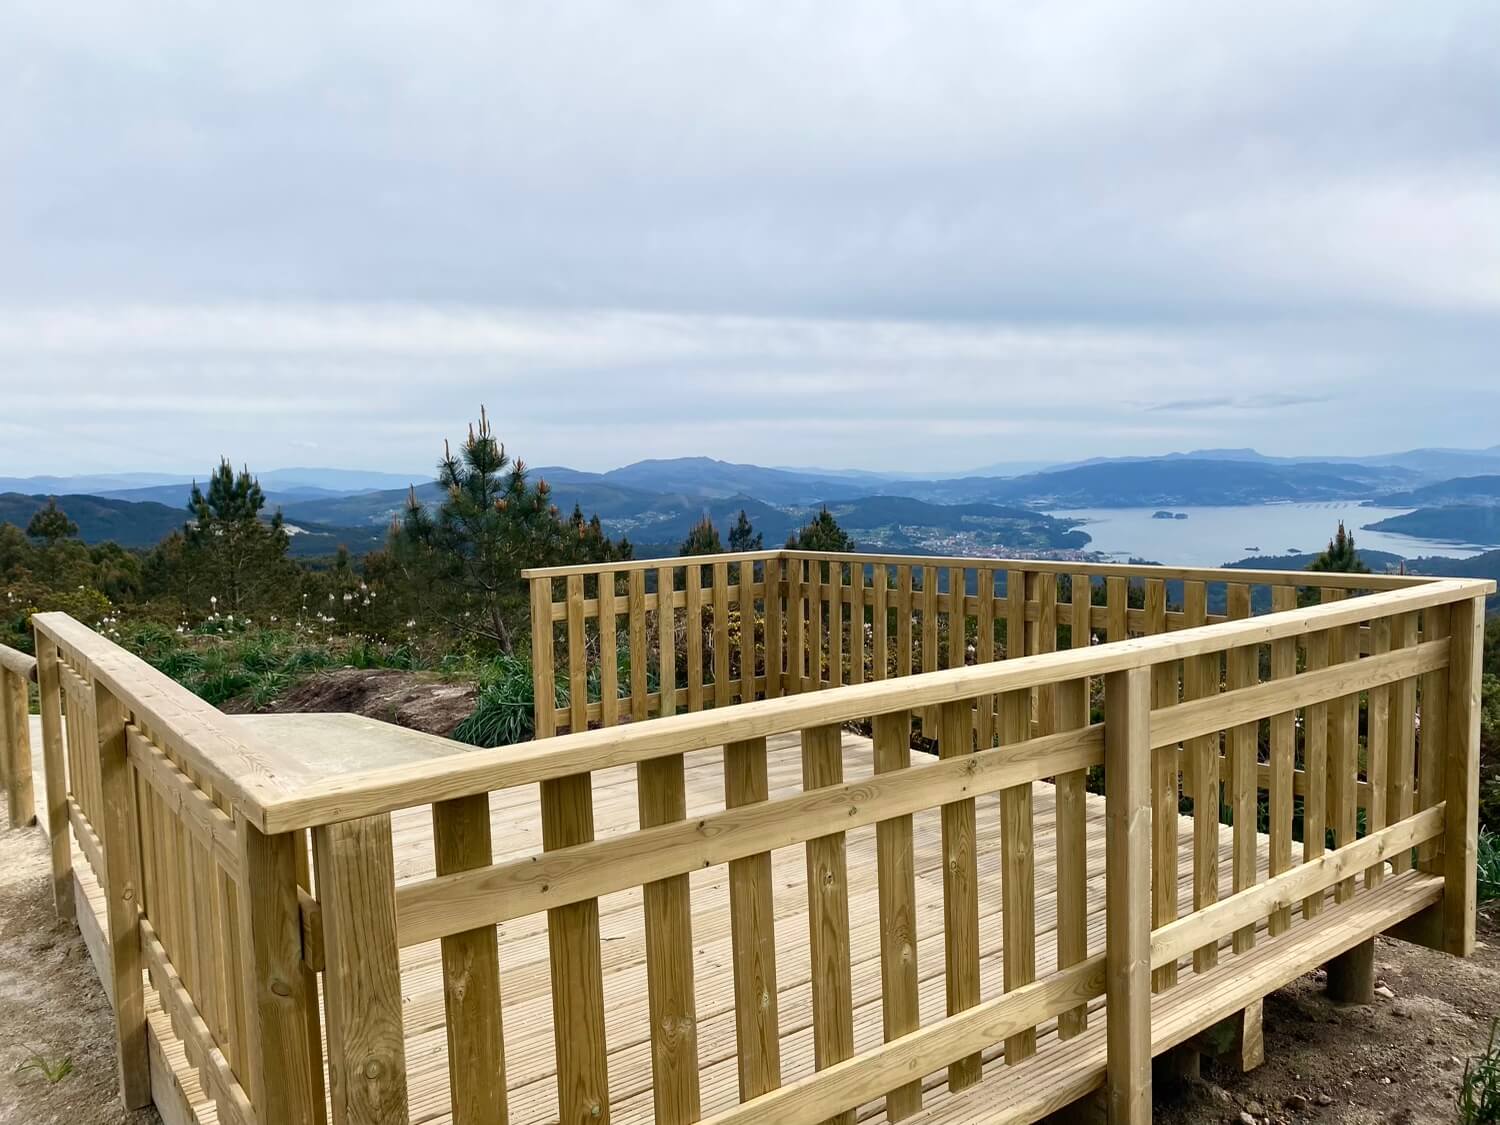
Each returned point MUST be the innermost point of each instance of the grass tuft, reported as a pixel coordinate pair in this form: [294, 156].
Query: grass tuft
[1479, 1094]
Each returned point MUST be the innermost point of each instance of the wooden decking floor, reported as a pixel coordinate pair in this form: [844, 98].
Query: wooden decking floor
[524, 969]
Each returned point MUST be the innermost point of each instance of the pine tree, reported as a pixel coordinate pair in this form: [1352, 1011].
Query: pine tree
[703, 539]
[743, 536]
[231, 558]
[51, 524]
[464, 563]
[822, 533]
[1340, 555]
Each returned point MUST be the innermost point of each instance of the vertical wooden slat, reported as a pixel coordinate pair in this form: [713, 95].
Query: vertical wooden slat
[1377, 739]
[984, 653]
[609, 656]
[1283, 734]
[960, 889]
[958, 618]
[542, 676]
[1127, 861]
[1015, 614]
[930, 661]
[1163, 786]
[752, 924]
[1200, 679]
[1401, 743]
[816, 645]
[828, 913]
[1017, 871]
[1242, 668]
[1045, 641]
[835, 590]
[362, 974]
[635, 607]
[666, 640]
[880, 660]
[662, 796]
[19, 795]
[1432, 728]
[896, 872]
[775, 645]
[1117, 607]
[573, 948]
[1461, 777]
[279, 1063]
[54, 760]
[746, 602]
[857, 601]
[1070, 796]
[1343, 745]
[723, 689]
[471, 965]
[796, 617]
[1314, 769]
[119, 829]
[578, 658]
[693, 622]
[904, 610]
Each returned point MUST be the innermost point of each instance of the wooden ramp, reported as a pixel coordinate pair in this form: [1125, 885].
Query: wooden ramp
[1050, 1079]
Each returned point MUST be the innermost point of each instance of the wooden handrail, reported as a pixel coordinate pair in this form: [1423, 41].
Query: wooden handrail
[477, 771]
[20, 663]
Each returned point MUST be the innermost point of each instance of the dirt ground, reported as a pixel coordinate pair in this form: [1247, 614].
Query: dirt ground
[51, 1004]
[417, 700]
[1397, 1061]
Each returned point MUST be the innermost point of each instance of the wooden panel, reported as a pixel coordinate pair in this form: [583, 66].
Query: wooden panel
[118, 832]
[544, 714]
[1283, 754]
[636, 608]
[1377, 739]
[1017, 872]
[723, 689]
[1117, 591]
[835, 593]
[984, 653]
[960, 888]
[669, 947]
[1461, 836]
[573, 948]
[693, 622]
[828, 914]
[775, 624]
[896, 873]
[1401, 738]
[958, 628]
[1071, 823]
[904, 609]
[815, 618]
[471, 966]
[1015, 614]
[1046, 641]
[796, 617]
[609, 661]
[930, 661]
[362, 977]
[578, 658]
[1242, 668]
[753, 932]
[1127, 859]
[666, 642]
[1343, 746]
[283, 1060]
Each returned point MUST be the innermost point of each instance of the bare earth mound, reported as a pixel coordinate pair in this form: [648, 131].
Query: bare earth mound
[418, 700]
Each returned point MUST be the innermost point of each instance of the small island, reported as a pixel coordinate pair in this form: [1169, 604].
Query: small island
[1165, 515]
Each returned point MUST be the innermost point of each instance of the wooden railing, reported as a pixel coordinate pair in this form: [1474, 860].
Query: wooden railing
[1253, 721]
[771, 623]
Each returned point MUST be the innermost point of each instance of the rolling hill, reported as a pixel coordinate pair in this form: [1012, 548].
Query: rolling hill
[1455, 523]
[1459, 490]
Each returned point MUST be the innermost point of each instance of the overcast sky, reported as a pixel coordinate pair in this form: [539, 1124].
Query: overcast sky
[920, 236]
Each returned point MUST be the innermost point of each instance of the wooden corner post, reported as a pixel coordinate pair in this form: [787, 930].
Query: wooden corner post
[16, 750]
[1127, 857]
[362, 973]
[50, 694]
[283, 1068]
[120, 837]
[1461, 777]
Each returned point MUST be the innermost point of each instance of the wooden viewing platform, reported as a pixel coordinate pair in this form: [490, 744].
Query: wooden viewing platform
[747, 911]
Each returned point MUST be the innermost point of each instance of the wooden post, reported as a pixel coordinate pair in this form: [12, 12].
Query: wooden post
[1461, 777]
[119, 835]
[1351, 975]
[362, 974]
[50, 691]
[1127, 857]
[471, 966]
[18, 787]
[282, 1069]
[896, 876]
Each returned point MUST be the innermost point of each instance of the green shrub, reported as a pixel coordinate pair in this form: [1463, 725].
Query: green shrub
[1479, 1095]
[503, 712]
[1489, 865]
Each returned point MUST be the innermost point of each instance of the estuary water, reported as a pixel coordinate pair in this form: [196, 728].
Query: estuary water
[1213, 536]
